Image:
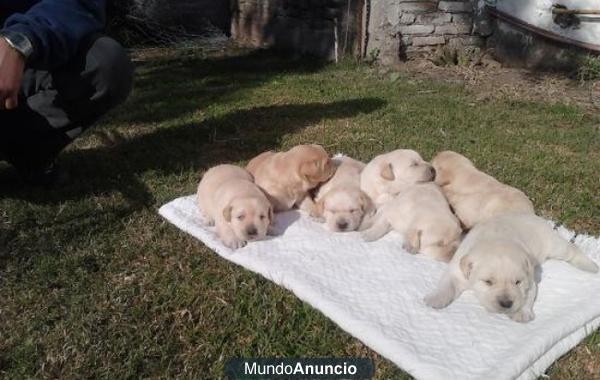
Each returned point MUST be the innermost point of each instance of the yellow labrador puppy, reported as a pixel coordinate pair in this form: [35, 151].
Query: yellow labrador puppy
[497, 260]
[389, 174]
[228, 198]
[340, 202]
[423, 217]
[474, 195]
[287, 177]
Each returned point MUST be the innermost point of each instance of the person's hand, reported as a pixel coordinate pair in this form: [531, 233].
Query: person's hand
[12, 65]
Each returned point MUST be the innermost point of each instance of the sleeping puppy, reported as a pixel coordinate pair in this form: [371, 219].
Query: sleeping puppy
[228, 198]
[340, 202]
[497, 260]
[474, 195]
[389, 174]
[423, 217]
[287, 177]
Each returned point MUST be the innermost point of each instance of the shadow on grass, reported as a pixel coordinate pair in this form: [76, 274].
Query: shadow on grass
[195, 83]
[170, 89]
[237, 136]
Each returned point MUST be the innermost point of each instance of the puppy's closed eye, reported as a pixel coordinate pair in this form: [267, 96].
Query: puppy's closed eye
[489, 282]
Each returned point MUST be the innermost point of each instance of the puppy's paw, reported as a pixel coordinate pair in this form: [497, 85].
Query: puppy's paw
[384, 198]
[408, 247]
[436, 301]
[233, 242]
[369, 235]
[205, 220]
[584, 263]
[317, 218]
[523, 316]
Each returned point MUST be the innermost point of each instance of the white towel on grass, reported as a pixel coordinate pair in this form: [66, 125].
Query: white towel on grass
[374, 291]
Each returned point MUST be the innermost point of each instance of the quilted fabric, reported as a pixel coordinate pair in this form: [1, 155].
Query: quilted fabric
[374, 291]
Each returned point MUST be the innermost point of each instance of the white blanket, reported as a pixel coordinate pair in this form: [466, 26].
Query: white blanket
[374, 291]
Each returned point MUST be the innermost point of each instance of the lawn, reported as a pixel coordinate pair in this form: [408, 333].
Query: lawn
[93, 283]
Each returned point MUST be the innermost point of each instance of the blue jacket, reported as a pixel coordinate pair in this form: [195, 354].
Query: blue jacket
[56, 28]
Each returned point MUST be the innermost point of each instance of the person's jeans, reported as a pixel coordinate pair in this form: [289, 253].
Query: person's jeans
[56, 106]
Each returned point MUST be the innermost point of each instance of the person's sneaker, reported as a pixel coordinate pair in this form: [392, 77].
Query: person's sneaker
[48, 175]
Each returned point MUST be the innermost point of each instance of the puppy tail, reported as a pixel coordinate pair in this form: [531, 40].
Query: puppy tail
[369, 219]
[580, 260]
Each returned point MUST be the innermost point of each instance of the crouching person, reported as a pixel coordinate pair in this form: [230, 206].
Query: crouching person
[58, 75]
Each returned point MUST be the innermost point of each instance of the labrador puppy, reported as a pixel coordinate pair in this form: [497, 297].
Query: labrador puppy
[423, 217]
[228, 198]
[474, 195]
[340, 202]
[497, 260]
[389, 174]
[287, 177]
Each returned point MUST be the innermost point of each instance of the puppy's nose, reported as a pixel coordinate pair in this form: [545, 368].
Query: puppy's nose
[251, 231]
[433, 173]
[342, 225]
[505, 303]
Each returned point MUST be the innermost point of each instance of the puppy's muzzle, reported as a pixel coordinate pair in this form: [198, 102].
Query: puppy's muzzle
[505, 302]
[251, 231]
[342, 225]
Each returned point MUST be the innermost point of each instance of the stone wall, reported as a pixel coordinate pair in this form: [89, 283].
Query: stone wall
[322, 28]
[386, 30]
[402, 29]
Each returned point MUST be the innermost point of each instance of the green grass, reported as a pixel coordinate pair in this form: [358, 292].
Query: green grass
[588, 68]
[93, 283]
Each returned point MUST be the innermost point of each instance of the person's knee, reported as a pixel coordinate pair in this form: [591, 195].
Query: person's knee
[113, 71]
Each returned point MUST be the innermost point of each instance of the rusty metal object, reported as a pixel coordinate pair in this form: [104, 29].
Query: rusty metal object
[565, 11]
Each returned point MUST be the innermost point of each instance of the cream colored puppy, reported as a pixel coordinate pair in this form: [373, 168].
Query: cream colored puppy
[340, 202]
[423, 217]
[474, 195]
[229, 199]
[287, 177]
[389, 174]
[497, 260]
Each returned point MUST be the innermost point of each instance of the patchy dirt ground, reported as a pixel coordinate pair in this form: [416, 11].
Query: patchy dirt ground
[494, 83]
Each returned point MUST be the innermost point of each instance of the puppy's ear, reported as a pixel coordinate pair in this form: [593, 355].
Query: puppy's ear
[227, 212]
[309, 170]
[387, 172]
[466, 266]
[366, 204]
[441, 178]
